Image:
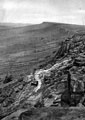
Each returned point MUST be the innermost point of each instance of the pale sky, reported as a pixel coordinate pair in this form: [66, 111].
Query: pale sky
[37, 11]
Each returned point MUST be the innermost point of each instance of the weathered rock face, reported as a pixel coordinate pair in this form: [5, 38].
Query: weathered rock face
[60, 85]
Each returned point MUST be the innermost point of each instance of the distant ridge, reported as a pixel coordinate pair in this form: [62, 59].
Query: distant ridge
[15, 24]
[61, 23]
[44, 24]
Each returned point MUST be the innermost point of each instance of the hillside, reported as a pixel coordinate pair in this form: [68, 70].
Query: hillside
[25, 48]
[55, 90]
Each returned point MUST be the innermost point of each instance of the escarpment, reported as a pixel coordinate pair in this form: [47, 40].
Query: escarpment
[62, 84]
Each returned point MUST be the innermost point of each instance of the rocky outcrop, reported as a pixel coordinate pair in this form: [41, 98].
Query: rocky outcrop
[49, 87]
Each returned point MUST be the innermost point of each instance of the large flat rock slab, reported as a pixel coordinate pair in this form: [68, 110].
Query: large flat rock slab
[54, 113]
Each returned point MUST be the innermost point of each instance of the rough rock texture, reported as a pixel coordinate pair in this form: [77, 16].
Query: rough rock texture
[62, 84]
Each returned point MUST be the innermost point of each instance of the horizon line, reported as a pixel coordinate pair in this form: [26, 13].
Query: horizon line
[25, 23]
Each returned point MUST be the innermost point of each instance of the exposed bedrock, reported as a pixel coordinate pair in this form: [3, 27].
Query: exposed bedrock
[62, 84]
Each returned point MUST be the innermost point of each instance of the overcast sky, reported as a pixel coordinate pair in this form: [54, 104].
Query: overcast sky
[37, 11]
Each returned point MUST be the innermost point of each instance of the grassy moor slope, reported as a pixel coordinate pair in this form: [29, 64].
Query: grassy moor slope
[24, 48]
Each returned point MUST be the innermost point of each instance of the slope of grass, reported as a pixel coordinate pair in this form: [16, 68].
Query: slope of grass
[26, 47]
